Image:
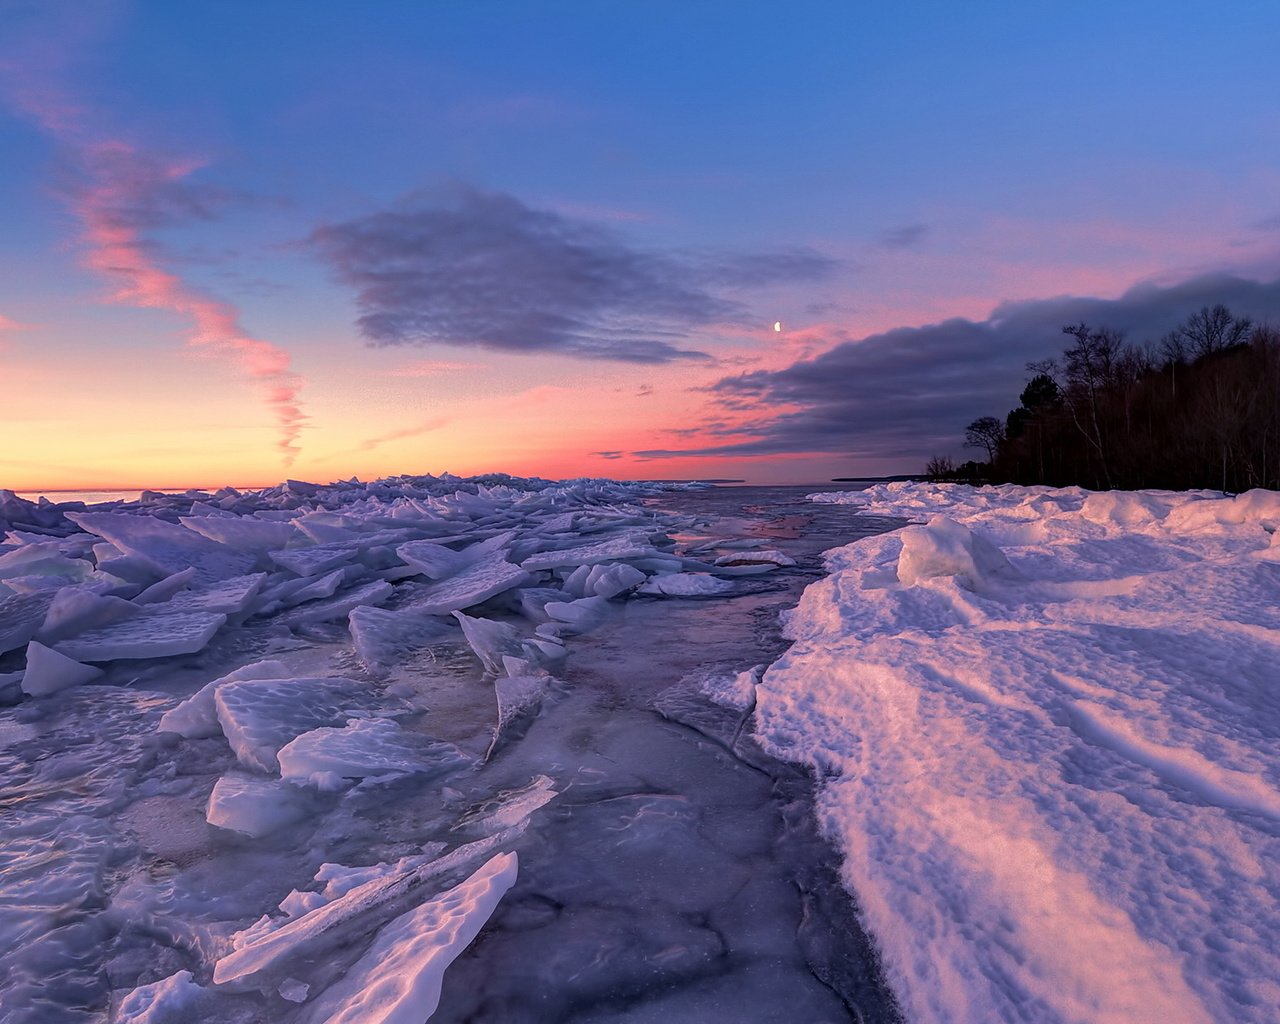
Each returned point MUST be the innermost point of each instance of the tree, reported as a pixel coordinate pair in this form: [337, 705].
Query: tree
[987, 433]
[940, 467]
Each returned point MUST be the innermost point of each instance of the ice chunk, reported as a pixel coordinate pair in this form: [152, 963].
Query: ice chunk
[509, 808]
[687, 585]
[476, 583]
[289, 593]
[167, 587]
[336, 922]
[575, 584]
[612, 549]
[339, 606]
[491, 640]
[243, 533]
[48, 671]
[385, 638]
[75, 609]
[164, 548]
[580, 615]
[945, 548]
[314, 560]
[259, 716]
[254, 806]
[398, 980]
[197, 716]
[46, 559]
[432, 560]
[21, 616]
[150, 634]
[366, 748]
[746, 558]
[519, 693]
[294, 990]
[175, 1000]
[612, 580]
[229, 597]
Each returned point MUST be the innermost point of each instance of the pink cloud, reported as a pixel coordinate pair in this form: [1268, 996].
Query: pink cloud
[118, 193]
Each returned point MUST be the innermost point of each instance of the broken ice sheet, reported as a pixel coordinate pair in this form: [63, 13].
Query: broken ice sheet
[329, 758]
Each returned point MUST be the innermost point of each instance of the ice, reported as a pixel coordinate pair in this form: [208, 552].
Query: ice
[255, 806]
[175, 1000]
[625, 546]
[167, 587]
[21, 616]
[197, 716]
[263, 950]
[75, 609]
[1046, 727]
[164, 548]
[687, 585]
[313, 561]
[149, 634]
[612, 580]
[260, 716]
[519, 693]
[48, 671]
[477, 582]
[384, 639]
[46, 559]
[290, 593]
[580, 616]
[768, 558]
[398, 980]
[339, 606]
[366, 748]
[491, 640]
[232, 596]
[243, 533]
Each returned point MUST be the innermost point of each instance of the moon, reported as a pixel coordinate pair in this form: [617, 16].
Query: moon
[777, 326]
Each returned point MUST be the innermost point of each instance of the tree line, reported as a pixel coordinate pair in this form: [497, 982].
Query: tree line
[1200, 408]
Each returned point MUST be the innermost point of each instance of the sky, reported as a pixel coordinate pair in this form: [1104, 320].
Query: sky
[243, 242]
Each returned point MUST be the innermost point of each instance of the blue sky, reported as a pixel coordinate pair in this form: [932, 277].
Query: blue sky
[846, 169]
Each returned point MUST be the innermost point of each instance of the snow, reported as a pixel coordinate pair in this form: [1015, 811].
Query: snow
[175, 1000]
[1045, 724]
[398, 980]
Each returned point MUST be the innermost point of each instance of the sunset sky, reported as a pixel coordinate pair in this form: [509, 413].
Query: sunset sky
[248, 241]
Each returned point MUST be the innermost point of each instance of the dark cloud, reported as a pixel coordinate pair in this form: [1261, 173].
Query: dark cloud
[485, 270]
[905, 236]
[907, 393]
[608, 455]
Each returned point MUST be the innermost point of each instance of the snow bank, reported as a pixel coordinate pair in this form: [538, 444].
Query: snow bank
[1046, 724]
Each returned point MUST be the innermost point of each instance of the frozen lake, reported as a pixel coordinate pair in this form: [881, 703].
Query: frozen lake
[668, 870]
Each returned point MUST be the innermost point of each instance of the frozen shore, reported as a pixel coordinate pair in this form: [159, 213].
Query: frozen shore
[1048, 728]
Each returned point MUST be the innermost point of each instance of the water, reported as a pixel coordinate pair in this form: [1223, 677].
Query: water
[675, 876]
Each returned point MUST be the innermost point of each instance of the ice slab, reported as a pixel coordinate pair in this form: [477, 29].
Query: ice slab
[398, 980]
[75, 609]
[491, 640]
[768, 557]
[385, 638]
[315, 560]
[340, 605]
[612, 549]
[48, 671]
[254, 806]
[243, 533]
[197, 716]
[476, 583]
[431, 559]
[264, 948]
[259, 716]
[366, 748]
[687, 585]
[228, 597]
[164, 548]
[21, 616]
[164, 589]
[149, 634]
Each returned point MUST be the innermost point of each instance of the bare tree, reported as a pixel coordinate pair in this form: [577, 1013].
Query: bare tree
[987, 433]
[940, 467]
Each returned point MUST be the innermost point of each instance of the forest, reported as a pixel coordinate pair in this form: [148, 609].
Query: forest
[1200, 408]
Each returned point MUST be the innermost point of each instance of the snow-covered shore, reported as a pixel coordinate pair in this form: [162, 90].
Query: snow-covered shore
[1048, 728]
